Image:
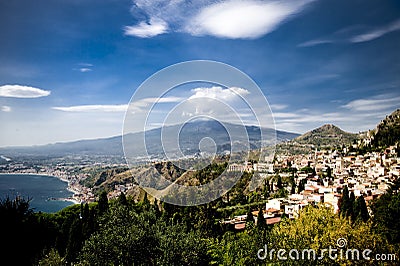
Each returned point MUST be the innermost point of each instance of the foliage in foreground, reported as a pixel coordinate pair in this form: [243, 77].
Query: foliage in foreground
[122, 232]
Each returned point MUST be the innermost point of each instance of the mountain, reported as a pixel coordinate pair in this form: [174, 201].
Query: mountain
[387, 132]
[190, 135]
[326, 135]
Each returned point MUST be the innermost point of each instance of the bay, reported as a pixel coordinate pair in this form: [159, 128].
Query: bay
[41, 189]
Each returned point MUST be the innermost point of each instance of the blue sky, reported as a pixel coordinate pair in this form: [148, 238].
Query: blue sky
[69, 68]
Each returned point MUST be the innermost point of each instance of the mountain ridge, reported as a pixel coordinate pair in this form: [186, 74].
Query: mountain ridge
[113, 145]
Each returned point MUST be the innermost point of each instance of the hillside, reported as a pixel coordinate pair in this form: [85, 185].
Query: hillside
[387, 131]
[325, 136]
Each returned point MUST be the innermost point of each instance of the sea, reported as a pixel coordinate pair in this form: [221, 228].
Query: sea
[46, 192]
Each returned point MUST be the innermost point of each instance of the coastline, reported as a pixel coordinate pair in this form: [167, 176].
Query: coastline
[69, 187]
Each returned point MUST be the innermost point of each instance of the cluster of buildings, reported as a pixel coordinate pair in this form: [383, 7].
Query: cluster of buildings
[368, 175]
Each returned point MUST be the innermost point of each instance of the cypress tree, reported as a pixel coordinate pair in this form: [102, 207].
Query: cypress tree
[361, 211]
[103, 203]
[250, 218]
[260, 219]
[350, 210]
[279, 182]
[122, 199]
[344, 202]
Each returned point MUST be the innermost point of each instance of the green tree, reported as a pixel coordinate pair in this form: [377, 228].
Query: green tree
[24, 233]
[124, 238]
[75, 240]
[360, 209]
[52, 258]
[386, 215]
[260, 219]
[350, 210]
[146, 202]
[344, 202]
[122, 199]
[250, 217]
[302, 185]
[103, 203]
[329, 172]
[279, 182]
[318, 228]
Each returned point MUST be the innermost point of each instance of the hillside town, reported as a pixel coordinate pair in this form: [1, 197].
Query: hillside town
[367, 175]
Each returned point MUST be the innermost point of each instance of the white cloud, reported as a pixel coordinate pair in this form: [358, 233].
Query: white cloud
[5, 108]
[19, 91]
[134, 106]
[93, 108]
[384, 102]
[147, 29]
[85, 69]
[278, 106]
[242, 19]
[376, 33]
[219, 93]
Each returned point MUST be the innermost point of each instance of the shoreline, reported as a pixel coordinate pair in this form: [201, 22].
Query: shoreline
[68, 188]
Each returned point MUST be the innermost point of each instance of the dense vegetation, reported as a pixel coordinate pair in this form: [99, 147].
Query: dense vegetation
[388, 130]
[124, 232]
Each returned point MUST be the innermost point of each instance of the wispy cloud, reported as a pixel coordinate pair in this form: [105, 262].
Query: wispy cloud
[5, 108]
[93, 108]
[84, 67]
[278, 107]
[134, 106]
[383, 102]
[354, 34]
[148, 29]
[315, 42]
[233, 19]
[376, 33]
[20, 91]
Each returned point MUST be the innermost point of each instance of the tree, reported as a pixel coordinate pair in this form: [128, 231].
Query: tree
[318, 228]
[75, 240]
[103, 203]
[350, 210]
[124, 238]
[329, 172]
[302, 185]
[360, 209]
[52, 258]
[122, 199]
[279, 182]
[386, 215]
[344, 203]
[250, 218]
[260, 220]
[292, 185]
[24, 233]
[146, 202]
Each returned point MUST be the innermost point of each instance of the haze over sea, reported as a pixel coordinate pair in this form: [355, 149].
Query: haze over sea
[41, 189]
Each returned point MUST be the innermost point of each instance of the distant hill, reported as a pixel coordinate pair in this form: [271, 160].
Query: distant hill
[387, 132]
[326, 135]
[189, 138]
